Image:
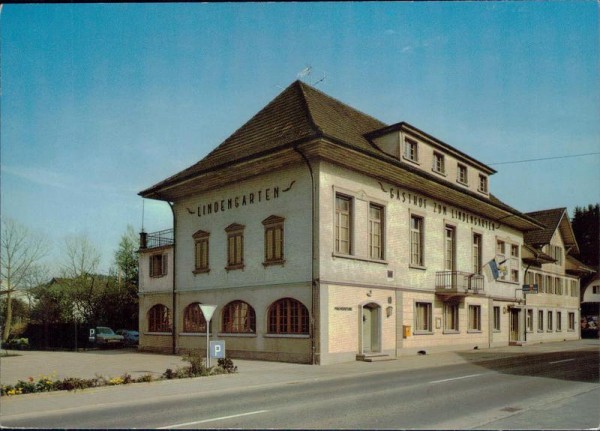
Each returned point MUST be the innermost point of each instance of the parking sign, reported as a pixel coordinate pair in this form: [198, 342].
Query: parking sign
[217, 349]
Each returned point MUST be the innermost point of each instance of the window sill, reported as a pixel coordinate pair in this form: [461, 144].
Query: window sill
[549, 330]
[158, 276]
[193, 334]
[508, 282]
[414, 162]
[422, 333]
[235, 267]
[302, 336]
[442, 173]
[274, 262]
[540, 331]
[237, 334]
[462, 183]
[484, 192]
[362, 259]
[450, 332]
[419, 267]
[201, 271]
[159, 333]
[474, 331]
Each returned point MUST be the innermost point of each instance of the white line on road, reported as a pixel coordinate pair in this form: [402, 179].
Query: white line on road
[458, 378]
[212, 420]
[563, 360]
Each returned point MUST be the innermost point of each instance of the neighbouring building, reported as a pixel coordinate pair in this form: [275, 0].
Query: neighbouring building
[324, 235]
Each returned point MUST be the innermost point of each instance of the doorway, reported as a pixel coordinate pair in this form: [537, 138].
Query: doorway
[371, 322]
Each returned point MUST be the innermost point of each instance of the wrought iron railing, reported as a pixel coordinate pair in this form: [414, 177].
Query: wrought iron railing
[458, 282]
[157, 239]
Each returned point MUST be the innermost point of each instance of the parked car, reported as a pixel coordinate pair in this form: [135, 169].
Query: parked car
[107, 337]
[131, 338]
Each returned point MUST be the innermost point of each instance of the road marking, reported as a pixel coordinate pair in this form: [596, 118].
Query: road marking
[458, 378]
[563, 360]
[212, 420]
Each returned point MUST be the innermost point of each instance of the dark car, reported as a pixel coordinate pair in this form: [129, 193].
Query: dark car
[106, 337]
[130, 337]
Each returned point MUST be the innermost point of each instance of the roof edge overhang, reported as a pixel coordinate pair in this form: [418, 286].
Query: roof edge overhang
[409, 128]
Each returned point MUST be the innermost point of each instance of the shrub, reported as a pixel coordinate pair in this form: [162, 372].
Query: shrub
[145, 378]
[169, 374]
[17, 344]
[227, 365]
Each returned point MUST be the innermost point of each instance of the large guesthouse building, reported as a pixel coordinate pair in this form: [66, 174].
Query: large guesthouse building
[323, 235]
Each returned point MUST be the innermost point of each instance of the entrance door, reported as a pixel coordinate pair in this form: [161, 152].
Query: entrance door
[514, 325]
[370, 328]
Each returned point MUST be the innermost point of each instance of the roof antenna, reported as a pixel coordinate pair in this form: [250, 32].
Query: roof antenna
[320, 80]
[143, 202]
[304, 72]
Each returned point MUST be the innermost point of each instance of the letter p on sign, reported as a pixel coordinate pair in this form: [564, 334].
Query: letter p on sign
[217, 349]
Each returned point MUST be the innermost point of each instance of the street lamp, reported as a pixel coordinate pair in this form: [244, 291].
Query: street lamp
[207, 311]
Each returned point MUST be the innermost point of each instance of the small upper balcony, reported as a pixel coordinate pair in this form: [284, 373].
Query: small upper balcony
[158, 239]
[458, 283]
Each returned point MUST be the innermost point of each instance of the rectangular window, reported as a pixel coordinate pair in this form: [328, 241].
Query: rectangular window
[439, 165]
[500, 247]
[571, 321]
[549, 327]
[343, 219]
[375, 231]
[514, 275]
[514, 250]
[235, 246]
[416, 240]
[451, 317]
[462, 174]
[476, 253]
[158, 265]
[595, 289]
[496, 318]
[549, 284]
[411, 150]
[449, 249]
[201, 255]
[474, 317]
[574, 292]
[483, 184]
[538, 281]
[559, 321]
[530, 320]
[558, 286]
[540, 320]
[273, 240]
[423, 316]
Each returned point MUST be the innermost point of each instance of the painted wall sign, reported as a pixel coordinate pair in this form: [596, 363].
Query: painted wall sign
[343, 308]
[231, 202]
[422, 202]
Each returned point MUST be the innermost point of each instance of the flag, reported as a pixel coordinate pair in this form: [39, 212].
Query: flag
[495, 268]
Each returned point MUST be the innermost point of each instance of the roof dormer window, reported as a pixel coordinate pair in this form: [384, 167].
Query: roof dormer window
[483, 184]
[411, 150]
[439, 164]
[462, 175]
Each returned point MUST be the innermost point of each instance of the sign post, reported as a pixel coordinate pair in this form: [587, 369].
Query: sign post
[207, 311]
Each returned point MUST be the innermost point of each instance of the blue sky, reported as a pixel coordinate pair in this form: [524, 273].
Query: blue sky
[102, 101]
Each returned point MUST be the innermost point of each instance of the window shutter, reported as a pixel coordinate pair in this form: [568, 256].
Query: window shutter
[164, 264]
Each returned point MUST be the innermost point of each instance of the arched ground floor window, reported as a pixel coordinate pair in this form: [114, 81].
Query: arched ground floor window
[159, 319]
[288, 316]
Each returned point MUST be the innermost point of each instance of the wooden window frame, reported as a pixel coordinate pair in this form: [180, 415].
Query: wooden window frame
[474, 318]
[193, 319]
[238, 317]
[417, 241]
[162, 269]
[340, 214]
[477, 251]
[439, 163]
[411, 150]
[424, 326]
[288, 316]
[159, 318]
[451, 317]
[449, 248]
[201, 252]
[376, 230]
[274, 247]
[462, 174]
[235, 240]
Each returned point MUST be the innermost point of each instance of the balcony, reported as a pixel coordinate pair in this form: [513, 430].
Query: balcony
[458, 283]
[161, 238]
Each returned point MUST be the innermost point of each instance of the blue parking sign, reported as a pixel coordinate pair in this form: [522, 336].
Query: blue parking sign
[217, 349]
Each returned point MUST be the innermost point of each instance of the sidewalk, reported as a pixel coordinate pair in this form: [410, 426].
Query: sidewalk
[250, 374]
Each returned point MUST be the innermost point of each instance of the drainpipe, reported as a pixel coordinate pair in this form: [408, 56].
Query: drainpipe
[174, 302]
[315, 302]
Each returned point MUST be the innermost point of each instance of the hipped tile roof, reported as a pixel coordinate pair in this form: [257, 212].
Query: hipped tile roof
[297, 114]
[549, 218]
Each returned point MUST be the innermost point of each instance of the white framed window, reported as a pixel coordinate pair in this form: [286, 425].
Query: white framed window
[549, 324]
[475, 317]
[423, 317]
[411, 150]
[559, 321]
[376, 225]
[462, 176]
[477, 262]
[540, 320]
[483, 184]
[529, 322]
[450, 248]
[439, 163]
[416, 240]
[343, 224]
[571, 321]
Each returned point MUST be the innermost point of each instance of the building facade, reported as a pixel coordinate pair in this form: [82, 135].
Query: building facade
[324, 235]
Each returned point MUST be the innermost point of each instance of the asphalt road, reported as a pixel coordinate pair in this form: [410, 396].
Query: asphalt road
[558, 390]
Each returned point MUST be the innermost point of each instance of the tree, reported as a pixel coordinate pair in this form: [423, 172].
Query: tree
[586, 226]
[126, 257]
[20, 253]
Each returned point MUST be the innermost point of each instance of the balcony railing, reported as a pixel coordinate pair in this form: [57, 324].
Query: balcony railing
[156, 239]
[458, 283]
